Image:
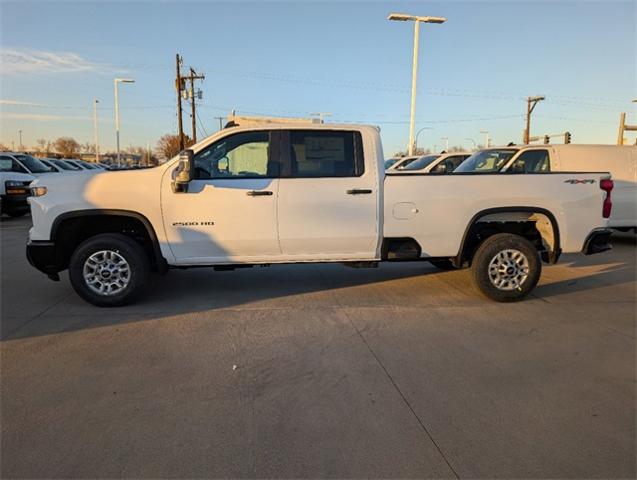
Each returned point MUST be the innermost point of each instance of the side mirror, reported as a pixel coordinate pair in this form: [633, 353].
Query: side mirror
[185, 171]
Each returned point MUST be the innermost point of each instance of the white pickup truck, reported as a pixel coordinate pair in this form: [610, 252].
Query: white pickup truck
[302, 193]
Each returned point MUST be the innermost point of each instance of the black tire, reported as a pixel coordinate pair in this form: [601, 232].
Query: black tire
[486, 253]
[443, 264]
[131, 251]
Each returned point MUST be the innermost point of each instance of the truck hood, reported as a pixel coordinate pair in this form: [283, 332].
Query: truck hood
[20, 177]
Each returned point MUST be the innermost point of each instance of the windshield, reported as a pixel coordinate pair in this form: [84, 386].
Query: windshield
[63, 165]
[390, 162]
[486, 161]
[33, 164]
[420, 163]
[403, 162]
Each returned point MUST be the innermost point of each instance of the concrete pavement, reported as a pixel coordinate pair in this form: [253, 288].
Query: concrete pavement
[320, 371]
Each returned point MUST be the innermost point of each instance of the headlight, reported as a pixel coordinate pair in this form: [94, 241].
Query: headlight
[13, 183]
[38, 191]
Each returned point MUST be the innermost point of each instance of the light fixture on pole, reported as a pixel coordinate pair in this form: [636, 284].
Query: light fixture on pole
[402, 17]
[475, 147]
[487, 138]
[117, 81]
[96, 131]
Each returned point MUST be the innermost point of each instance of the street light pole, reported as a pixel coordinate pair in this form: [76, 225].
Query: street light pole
[487, 139]
[117, 81]
[417, 135]
[446, 140]
[20, 141]
[96, 132]
[414, 68]
[472, 141]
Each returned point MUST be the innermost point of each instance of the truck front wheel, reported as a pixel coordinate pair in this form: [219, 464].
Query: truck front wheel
[109, 270]
[506, 267]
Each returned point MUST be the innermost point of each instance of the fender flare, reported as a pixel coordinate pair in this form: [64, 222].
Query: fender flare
[553, 256]
[162, 264]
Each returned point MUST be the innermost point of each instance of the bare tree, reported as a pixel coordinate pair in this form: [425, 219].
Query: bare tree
[168, 146]
[4, 148]
[41, 144]
[67, 147]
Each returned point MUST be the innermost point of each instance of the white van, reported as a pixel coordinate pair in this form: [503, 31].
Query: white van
[620, 161]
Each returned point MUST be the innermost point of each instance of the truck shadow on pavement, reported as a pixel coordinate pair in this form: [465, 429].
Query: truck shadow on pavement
[207, 293]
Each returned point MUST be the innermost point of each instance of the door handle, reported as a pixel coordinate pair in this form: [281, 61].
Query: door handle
[359, 191]
[258, 193]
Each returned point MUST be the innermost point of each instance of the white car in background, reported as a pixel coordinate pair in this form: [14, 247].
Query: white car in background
[23, 163]
[435, 163]
[400, 162]
[14, 190]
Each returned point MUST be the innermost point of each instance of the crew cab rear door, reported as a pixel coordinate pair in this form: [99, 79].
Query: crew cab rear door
[328, 196]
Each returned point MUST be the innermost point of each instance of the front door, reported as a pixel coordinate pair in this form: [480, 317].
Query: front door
[327, 197]
[229, 213]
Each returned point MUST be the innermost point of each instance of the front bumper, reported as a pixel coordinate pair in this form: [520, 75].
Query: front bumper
[43, 256]
[14, 203]
[597, 241]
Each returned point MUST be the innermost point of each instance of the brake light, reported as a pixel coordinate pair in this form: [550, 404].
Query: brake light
[607, 185]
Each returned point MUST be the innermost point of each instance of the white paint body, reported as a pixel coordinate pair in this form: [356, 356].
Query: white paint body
[620, 161]
[314, 219]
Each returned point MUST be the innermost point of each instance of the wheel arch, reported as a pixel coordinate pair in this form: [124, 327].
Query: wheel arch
[499, 218]
[156, 257]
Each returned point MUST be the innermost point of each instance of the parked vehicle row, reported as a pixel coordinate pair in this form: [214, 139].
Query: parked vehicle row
[304, 193]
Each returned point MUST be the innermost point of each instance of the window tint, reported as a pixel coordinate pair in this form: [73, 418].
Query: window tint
[244, 155]
[419, 163]
[486, 161]
[8, 164]
[531, 161]
[315, 153]
[454, 162]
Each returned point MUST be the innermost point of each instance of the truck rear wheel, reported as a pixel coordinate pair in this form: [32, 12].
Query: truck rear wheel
[109, 270]
[506, 267]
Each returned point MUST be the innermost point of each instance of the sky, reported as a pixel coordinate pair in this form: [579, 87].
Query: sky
[295, 58]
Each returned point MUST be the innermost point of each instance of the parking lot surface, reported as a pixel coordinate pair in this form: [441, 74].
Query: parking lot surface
[320, 371]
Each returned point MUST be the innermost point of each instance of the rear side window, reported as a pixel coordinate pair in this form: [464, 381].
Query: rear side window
[321, 153]
[531, 161]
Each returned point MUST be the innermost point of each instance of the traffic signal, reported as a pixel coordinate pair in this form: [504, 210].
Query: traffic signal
[547, 139]
[567, 137]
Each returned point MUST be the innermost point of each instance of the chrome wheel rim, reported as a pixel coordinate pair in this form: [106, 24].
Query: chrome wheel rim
[508, 270]
[106, 273]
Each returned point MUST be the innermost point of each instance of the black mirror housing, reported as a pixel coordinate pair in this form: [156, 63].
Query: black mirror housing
[185, 171]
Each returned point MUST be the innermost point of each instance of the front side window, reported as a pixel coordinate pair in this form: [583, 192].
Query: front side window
[454, 162]
[531, 161]
[419, 163]
[33, 164]
[320, 153]
[486, 161]
[8, 164]
[65, 165]
[243, 155]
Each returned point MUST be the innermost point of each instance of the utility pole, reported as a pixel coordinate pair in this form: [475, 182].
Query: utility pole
[179, 86]
[20, 143]
[220, 122]
[192, 94]
[531, 102]
[624, 128]
[97, 143]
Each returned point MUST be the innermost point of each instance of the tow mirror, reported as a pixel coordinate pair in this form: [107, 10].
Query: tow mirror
[185, 171]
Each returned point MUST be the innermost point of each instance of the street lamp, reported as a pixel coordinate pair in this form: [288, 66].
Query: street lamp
[402, 17]
[417, 134]
[475, 147]
[116, 82]
[487, 139]
[20, 142]
[95, 127]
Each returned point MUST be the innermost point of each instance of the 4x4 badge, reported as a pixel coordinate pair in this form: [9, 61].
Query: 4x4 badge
[573, 181]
